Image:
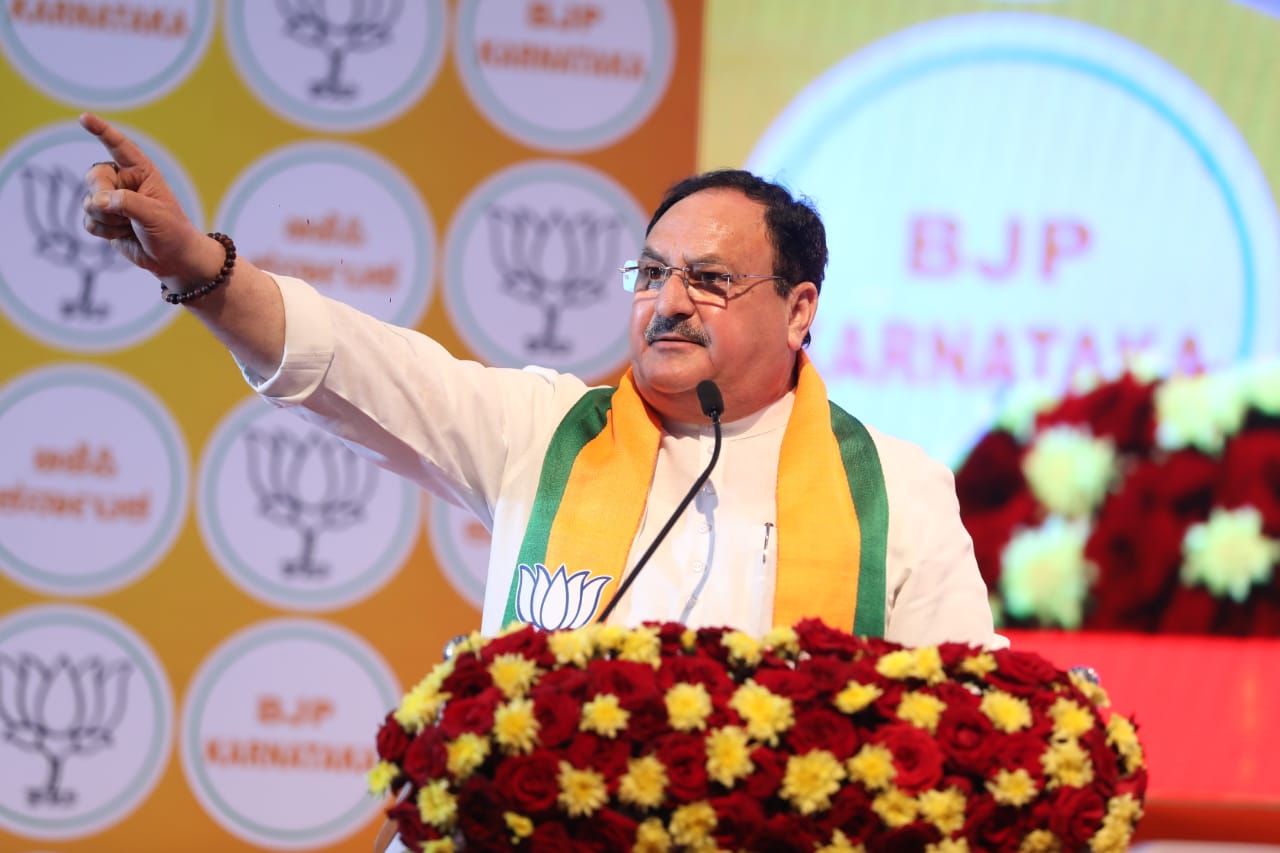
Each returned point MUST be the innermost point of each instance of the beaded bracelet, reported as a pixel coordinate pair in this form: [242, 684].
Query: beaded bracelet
[175, 298]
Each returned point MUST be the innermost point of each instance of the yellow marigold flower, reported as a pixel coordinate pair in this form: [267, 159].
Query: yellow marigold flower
[520, 826]
[380, 777]
[604, 716]
[1122, 736]
[1069, 470]
[1040, 841]
[1124, 807]
[1069, 719]
[474, 642]
[840, 843]
[609, 638]
[572, 647]
[900, 664]
[1006, 712]
[692, 825]
[811, 780]
[436, 805]
[651, 837]
[420, 705]
[872, 766]
[944, 809]
[728, 755]
[513, 674]
[466, 754]
[855, 696]
[743, 648]
[981, 665]
[689, 639]
[783, 641]
[582, 792]
[645, 782]
[921, 710]
[515, 727]
[1044, 573]
[688, 706]
[1199, 411]
[1066, 763]
[440, 845]
[949, 845]
[1092, 691]
[895, 808]
[1229, 553]
[1111, 837]
[1012, 788]
[642, 645]
[765, 714]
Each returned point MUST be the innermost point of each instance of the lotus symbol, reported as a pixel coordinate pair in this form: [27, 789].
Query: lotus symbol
[60, 710]
[368, 25]
[557, 601]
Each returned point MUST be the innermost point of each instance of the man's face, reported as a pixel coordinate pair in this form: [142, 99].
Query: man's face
[748, 346]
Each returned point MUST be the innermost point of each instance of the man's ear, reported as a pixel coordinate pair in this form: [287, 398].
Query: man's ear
[802, 307]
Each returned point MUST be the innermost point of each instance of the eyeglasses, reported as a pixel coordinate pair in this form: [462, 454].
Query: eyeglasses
[705, 283]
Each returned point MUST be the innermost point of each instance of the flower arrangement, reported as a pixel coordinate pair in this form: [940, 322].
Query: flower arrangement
[662, 738]
[1138, 504]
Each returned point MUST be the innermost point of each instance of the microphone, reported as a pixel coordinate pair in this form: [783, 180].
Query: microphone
[712, 403]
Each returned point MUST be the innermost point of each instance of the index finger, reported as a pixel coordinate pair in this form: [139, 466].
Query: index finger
[119, 146]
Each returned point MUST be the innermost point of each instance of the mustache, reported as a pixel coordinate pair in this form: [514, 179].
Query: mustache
[662, 326]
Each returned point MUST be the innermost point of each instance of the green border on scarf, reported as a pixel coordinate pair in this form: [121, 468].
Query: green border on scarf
[871, 502]
[580, 425]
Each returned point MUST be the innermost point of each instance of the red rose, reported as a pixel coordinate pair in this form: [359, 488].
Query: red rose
[568, 681]
[605, 756]
[695, 669]
[1251, 476]
[558, 716]
[393, 740]
[529, 782]
[606, 831]
[685, 757]
[551, 838]
[850, 813]
[426, 758]
[1122, 410]
[817, 638]
[819, 728]
[470, 677]
[1190, 610]
[915, 755]
[788, 833]
[633, 683]
[408, 821]
[480, 820]
[1021, 751]
[473, 714]
[1075, 814]
[794, 685]
[827, 674]
[739, 818]
[528, 642]
[967, 739]
[913, 836]
[1022, 673]
[767, 777]
[994, 828]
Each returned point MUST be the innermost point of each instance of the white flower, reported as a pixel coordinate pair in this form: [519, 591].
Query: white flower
[1262, 386]
[1069, 470]
[1018, 414]
[1044, 573]
[557, 601]
[1229, 553]
[1199, 411]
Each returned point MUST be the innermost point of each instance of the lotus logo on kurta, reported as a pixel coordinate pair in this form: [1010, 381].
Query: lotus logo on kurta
[557, 601]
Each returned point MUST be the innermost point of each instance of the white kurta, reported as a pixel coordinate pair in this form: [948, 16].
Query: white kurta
[476, 436]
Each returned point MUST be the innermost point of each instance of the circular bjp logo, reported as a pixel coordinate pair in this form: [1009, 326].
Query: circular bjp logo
[531, 268]
[565, 75]
[277, 733]
[59, 284]
[86, 721]
[93, 480]
[342, 65]
[343, 219]
[1021, 200]
[106, 55]
[296, 518]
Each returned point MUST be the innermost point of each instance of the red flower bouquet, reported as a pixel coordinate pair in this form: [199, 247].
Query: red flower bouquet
[1141, 505]
[661, 738]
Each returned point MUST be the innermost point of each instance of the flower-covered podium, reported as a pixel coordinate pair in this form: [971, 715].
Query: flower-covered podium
[662, 738]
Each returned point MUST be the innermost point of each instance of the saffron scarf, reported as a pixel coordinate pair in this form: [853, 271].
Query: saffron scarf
[832, 507]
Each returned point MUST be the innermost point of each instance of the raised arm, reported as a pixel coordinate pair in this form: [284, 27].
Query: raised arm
[134, 208]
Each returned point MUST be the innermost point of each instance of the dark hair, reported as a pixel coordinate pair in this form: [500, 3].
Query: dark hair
[795, 230]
